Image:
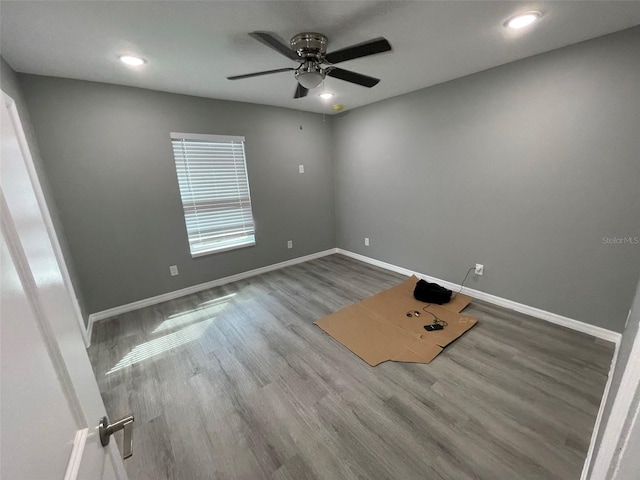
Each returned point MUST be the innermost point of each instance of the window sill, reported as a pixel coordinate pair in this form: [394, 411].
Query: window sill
[222, 249]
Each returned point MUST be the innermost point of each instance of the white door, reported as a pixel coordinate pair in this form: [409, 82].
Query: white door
[50, 403]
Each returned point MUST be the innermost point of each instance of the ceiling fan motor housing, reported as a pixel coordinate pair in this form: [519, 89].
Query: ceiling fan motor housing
[310, 45]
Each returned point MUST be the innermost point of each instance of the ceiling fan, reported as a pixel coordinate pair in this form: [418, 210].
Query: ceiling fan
[309, 50]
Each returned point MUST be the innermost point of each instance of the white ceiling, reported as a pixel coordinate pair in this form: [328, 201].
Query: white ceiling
[191, 46]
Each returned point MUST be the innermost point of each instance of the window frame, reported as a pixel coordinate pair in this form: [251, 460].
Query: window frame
[176, 138]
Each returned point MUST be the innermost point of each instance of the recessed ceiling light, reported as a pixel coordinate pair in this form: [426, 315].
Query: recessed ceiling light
[326, 95]
[523, 20]
[131, 60]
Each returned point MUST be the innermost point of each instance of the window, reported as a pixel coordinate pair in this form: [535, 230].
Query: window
[214, 187]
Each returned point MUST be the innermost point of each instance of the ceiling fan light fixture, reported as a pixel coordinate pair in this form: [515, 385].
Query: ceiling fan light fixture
[326, 95]
[523, 20]
[132, 60]
[309, 80]
[309, 75]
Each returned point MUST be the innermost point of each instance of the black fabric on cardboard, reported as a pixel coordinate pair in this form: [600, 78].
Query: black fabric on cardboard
[431, 293]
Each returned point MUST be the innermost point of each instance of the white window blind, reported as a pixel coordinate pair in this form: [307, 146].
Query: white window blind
[214, 187]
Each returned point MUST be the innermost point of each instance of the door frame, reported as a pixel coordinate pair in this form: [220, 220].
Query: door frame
[618, 431]
[12, 109]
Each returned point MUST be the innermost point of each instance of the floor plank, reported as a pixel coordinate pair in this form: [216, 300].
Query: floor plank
[237, 383]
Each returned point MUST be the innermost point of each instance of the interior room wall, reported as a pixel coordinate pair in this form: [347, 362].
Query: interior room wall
[10, 85]
[530, 168]
[107, 153]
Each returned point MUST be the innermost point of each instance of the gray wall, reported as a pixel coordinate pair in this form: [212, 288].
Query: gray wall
[108, 156]
[10, 85]
[523, 168]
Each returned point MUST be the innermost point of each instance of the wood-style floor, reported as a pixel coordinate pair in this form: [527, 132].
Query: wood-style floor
[237, 383]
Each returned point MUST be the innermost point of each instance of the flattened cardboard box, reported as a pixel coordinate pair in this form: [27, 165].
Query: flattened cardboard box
[377, 329]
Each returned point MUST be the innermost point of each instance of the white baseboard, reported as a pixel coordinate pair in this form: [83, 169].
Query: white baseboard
[577, 325]
[593, 330]
[129, 307]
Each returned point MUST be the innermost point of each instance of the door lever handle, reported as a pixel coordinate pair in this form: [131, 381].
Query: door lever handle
[105, 429]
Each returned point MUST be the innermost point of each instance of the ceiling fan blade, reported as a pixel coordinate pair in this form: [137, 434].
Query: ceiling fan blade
[271, 41]
[301, 91]
[352, 77]
[371, 47]
[258, 74]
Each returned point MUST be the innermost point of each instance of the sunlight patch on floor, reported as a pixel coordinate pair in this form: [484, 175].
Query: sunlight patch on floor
[163, 344]
[205, 309]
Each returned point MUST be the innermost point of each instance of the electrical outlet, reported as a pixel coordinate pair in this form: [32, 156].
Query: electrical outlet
[366, 241]
[290, 244]
[173, 270]
[479, 269]
[301, 168]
